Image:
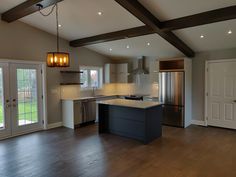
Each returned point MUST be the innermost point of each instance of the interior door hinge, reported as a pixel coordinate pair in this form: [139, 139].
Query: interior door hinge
[43, 122]
[42, 96]
[41, 71]
[207, 69]
[207, 94]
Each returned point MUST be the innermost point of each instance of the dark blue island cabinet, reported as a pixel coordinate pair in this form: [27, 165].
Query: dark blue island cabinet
[133, 119]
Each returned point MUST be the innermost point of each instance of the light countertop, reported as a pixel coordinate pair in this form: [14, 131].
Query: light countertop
[130, 103]
[89, 98]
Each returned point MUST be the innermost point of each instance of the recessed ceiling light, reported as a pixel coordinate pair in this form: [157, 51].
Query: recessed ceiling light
[110, 49]
[127, 46]
[202, 36]
[59, 25]
[230, 32]
[148, 44]
[100, 13]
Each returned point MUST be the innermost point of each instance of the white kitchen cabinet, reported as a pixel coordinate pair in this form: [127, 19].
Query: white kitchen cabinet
[76, 112]
[122, 73]
[110, 73]
[154, 71]
[71, 113]
[116, 73]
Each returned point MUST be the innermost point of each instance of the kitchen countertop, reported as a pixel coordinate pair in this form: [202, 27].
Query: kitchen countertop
[89, 98]
[100, 97]
[130, 103]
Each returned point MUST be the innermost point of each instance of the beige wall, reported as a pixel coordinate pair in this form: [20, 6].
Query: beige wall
[198, 87]
[19, 41]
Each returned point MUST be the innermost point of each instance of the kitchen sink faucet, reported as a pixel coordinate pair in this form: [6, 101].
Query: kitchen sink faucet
[94, 91]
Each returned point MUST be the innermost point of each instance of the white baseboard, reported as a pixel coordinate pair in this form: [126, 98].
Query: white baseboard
[54, 125]
[199, 122]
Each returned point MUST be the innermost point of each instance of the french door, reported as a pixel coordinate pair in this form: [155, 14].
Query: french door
[21, 98]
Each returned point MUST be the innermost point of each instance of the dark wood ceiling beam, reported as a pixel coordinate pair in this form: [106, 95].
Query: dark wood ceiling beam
[117, 35]
[26, 8]
[213, 16]
[138, 10]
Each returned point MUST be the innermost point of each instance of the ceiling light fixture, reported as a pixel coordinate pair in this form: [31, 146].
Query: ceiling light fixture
[202, 36]
[110, 49]
[56, 59]
[230, 32]
[127, 46]
[100, 13]
[59, 25]
[148, 44]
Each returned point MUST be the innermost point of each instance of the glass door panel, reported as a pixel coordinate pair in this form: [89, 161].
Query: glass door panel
[2, 119]
[27, 96]
[26, 93]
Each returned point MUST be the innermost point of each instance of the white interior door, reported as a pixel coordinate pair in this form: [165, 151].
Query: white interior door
[26, 97]
[5, 122]
[221, 100]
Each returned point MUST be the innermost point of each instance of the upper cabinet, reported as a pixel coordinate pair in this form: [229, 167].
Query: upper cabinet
[110, 73]
[154, 71]
[172, 65]
[116, 73]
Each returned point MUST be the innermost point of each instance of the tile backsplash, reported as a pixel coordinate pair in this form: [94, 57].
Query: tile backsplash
[111, 89]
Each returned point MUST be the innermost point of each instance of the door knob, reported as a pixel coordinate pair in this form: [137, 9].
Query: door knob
[8, 104]
[14, 102]
[234, 101]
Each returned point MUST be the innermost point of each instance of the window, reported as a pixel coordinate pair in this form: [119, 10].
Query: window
[91, 77]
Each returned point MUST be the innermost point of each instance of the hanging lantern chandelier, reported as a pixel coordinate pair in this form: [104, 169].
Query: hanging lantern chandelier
[56, 59]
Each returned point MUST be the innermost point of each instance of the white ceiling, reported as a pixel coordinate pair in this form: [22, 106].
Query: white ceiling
[79, 19]
[215, 36]
[138, 47]
[170, 9]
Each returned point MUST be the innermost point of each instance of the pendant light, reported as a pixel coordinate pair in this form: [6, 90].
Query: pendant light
[56, 59]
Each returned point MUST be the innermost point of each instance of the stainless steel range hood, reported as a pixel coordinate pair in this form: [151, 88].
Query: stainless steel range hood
[141, 67]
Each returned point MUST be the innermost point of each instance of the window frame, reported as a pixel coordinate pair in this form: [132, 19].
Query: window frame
[100, 76]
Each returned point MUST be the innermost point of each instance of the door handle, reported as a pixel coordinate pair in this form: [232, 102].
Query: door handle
[8, 105]
[234, 101]
[14, 102]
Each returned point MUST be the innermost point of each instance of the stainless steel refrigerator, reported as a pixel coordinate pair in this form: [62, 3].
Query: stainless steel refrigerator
[171, 93]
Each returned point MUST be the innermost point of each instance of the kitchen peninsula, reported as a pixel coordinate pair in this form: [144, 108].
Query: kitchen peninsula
[140, 120]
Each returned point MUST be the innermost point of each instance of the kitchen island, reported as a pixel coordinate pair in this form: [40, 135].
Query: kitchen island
[140, 120]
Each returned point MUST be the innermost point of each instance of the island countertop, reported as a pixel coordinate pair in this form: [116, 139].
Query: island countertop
[130, 103]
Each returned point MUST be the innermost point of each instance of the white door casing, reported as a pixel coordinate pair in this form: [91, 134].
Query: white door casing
[29, 107]
[9, 90]
[221, 93]
[5, 123]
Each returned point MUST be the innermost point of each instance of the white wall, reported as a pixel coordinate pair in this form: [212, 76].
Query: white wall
[198, 78]
[20, 41]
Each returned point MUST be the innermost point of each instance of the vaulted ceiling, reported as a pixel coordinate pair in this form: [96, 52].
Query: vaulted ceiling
[80, 19]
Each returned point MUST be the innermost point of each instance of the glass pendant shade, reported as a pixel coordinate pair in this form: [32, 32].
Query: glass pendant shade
[58, 59]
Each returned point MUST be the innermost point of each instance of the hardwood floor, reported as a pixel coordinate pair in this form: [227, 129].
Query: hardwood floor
[192, 152]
